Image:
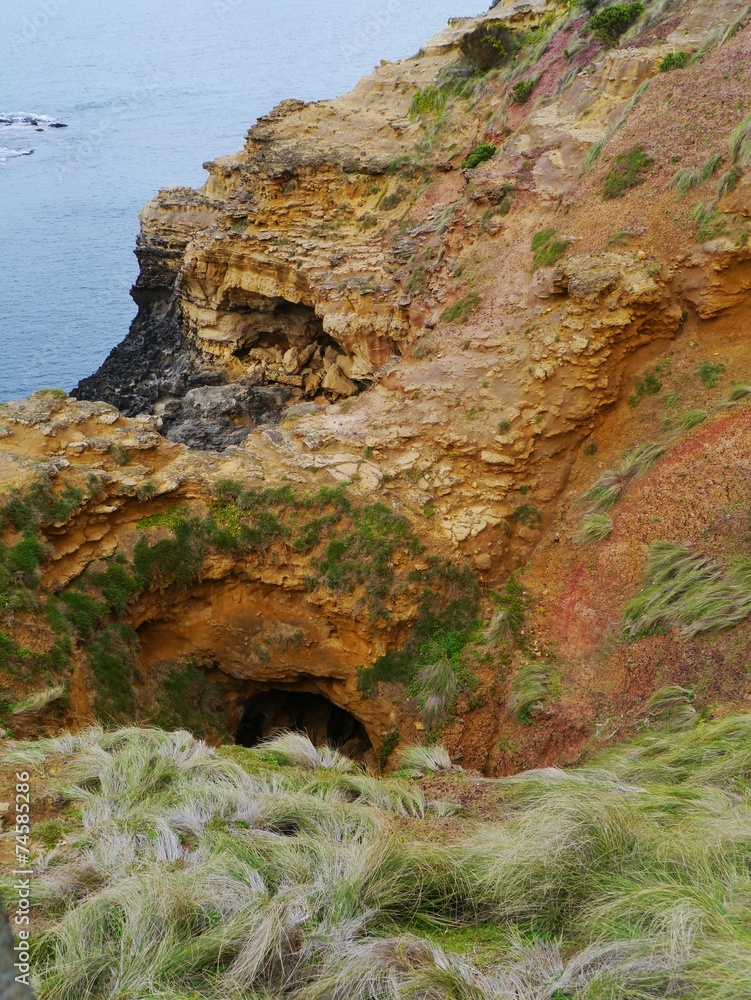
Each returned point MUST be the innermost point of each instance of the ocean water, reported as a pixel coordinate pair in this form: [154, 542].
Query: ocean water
[148, 90]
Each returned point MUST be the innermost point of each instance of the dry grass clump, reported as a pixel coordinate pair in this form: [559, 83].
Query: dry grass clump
[187, 872]
[688, 591]
[529, 689]
[39, 700]
[607, 489]
[425, 758]
[594, 528]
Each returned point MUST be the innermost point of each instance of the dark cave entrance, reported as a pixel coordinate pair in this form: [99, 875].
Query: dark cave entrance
[270, 712]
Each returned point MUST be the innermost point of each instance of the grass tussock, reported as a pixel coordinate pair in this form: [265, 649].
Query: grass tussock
[529, 691]
[39, 700]
[177, 871]
[608, 488]
[687, 591]
[425, 758]
[594, 528]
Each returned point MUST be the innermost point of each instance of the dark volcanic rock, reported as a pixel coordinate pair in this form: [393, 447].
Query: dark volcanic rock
[155, 364]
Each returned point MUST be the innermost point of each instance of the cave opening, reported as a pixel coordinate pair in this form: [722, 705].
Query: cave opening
[270, 712]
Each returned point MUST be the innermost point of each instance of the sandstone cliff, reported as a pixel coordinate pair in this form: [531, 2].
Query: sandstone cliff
[457, 293]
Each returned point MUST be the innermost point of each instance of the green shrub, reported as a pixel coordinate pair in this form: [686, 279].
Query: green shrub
[547, 248]
[647, 384]
[188, 699]
[483, 151]
[626, 171]
[112, 656]
[462, 309]
[709, 373]
[610, 23]
[488, 45]
[674, 60]
[522, 90]
[84, 612]
[25, 556]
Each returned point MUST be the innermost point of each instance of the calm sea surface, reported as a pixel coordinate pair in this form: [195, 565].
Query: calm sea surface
[148, 90]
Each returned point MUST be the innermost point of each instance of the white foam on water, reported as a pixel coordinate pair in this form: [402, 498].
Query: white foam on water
[23, 120]
[8, 154]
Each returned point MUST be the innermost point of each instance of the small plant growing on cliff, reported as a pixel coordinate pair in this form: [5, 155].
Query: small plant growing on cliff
[462, 309]
[687, 421]
[522, 90]
[741, 390]
[119, 454]
[647, 384]
[611, 22]
[396, 197]
[627, 171]
[145, 491]
[672, 708]
[508, 618]
[430, 100]
[674, 60]
[709, 373]
[547, 248]
[528, 515]
[483, 151]
[419, 759]
[389, 743]
[529, 689]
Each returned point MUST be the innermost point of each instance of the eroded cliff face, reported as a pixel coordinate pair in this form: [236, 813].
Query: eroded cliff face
[350, 301]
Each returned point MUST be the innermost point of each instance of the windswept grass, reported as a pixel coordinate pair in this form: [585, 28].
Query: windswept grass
[688, 591]
[421, 759]
[594, 528]
[529, 689]
[608, 488]
[177, 871]
[39, 700]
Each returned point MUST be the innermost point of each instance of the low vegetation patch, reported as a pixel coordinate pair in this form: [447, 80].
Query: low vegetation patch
[529, 690]
[175, 870]
[483, 151]
[674, 60]
[594, 528]
[627, 170]
[709, 372]
[462, 309]
[547, 248]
